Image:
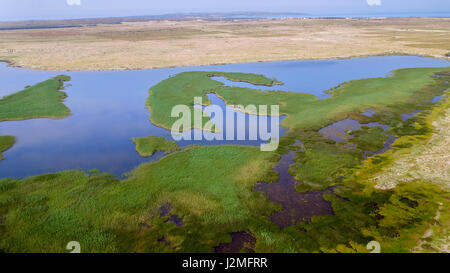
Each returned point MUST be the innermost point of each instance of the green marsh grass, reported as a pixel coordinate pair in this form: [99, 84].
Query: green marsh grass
[106, 215]
[147, 146]
[402, 90]
[369, 138]
[6, 142]
[44, 213]
[42, 100]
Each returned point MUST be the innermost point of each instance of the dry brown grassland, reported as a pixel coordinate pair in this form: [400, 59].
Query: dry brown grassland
[155, 44]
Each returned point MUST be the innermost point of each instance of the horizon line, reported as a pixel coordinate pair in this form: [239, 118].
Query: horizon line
[267, 13]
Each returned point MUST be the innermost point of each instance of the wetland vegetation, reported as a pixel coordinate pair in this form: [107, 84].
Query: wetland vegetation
[302, 110]
[105, 214]
[147, 146]
[212, 188]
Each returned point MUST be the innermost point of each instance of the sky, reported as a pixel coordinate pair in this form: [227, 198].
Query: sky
[68, 9]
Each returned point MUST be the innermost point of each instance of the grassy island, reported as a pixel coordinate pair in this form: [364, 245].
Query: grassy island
[42, 100]
[405, 91]
[147, 146]
[255, 79]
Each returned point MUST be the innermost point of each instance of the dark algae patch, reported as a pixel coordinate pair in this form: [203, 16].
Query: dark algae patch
[296, 207]
[165, 211]
[241, 242]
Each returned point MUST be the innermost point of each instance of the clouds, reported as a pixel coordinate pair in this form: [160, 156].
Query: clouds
[73, 2]
[374, 2]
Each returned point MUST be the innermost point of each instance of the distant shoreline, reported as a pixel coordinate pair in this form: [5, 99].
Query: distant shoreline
[88, 21]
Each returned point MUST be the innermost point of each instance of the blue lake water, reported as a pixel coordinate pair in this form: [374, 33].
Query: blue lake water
[108, 110]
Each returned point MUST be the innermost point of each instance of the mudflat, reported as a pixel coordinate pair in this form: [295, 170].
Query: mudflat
[167, 43]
